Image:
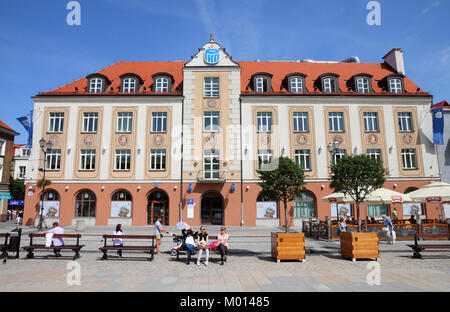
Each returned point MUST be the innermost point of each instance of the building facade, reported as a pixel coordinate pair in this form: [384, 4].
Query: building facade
[21, 157]
[7, 135]
[184, 139]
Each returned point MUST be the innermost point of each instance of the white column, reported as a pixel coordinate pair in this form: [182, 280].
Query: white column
[106, 142]
[321, 143]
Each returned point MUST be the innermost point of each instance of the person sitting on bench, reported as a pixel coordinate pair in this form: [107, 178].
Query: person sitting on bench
[56, 242]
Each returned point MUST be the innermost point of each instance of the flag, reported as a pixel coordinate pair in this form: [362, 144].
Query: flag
[24, 122]
[27, 123]
[438, 126]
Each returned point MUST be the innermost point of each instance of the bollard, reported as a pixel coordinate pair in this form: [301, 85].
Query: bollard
[79, 225]
[329, 230]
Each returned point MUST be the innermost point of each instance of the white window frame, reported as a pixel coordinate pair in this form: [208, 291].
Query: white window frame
[409, 159]
[90, 122]
[162, 84]
[305, 156]
[56, 122]
[375, 154]
[259, 84]
[22, 172]
[362, 85]
[122, 160]
[296, 84]
[405, 122]
[213, 157]
[337, 121]
[301, 121]
[263, 156]
[96, 85]
[395, 85]
[214, 121]
[370, 121]
[26, 152]
[158, 156]
[264, 121]
[53, 160]
[159, 122]
[328, 83]
[2, 148]
[338, 155]
[129, 85]
[125, 118]
[87, 158]
[211, 87]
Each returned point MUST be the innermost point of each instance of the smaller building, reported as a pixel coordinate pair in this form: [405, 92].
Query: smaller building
[7, 135]
[22, 154]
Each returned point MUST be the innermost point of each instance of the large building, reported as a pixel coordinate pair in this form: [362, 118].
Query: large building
[7, 135]
[134, 140]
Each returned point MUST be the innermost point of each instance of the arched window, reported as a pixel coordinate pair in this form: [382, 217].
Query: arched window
[85, 204]
[262, 82]
[130, 83]
[97, 83]
[362, 83]
[50, 195]
[121, 204]
[328, 83]
[305, 205]
[121, 196]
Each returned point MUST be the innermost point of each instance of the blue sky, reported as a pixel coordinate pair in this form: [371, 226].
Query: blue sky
[40, 52]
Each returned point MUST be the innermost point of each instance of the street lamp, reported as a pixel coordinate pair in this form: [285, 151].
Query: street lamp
[45, 146]
[332, 148]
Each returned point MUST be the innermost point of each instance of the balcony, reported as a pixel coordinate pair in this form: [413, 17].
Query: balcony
[211, 176]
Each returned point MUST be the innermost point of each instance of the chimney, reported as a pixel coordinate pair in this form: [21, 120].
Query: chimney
[395, 59]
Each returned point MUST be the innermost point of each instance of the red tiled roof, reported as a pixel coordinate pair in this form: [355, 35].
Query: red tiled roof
[443, 104]
[3, 125]
[313, 71]
[145, 70]
[19, 145]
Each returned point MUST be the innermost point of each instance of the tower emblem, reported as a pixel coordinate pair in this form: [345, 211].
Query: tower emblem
[211, 55]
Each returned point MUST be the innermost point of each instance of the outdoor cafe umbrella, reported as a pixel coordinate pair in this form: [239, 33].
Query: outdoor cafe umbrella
[182, 226]
[437, 192]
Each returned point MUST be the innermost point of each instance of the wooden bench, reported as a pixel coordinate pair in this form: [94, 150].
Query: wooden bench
[418, 248]
[4, 247]
[149, 248]
[211, 238]
[75, 248]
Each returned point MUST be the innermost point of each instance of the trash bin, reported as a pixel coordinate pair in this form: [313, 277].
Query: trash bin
[14, 242]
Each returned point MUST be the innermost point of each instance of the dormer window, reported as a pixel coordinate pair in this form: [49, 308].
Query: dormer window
[97, 83]
[130, 83]
[262, 82]
[329, 83]
[162, 82]
[395, 85]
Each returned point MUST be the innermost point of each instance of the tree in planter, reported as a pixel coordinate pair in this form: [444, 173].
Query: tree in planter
[284, 183]
[357, 176]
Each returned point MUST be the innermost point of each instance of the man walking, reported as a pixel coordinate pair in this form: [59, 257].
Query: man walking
[158, 233]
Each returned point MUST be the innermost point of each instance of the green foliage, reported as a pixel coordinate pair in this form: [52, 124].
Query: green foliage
[17, 189]
[43, 183]
[284, 183]
[357, 176]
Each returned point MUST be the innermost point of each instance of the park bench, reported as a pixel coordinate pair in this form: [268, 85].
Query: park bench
[179, 238]
[4, 246]
[418, 248]
[149, 248]
[75, 248]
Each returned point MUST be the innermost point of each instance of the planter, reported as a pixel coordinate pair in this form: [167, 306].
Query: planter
[360, 246]
[288, 246]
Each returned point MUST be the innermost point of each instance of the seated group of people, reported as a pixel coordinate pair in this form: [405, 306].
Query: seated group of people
[200, 241]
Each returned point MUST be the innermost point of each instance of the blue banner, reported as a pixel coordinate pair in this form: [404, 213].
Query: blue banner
[27, 123]
[438, 126]
[15, 202]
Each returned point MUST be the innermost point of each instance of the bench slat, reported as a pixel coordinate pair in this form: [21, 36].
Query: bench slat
[127, 248]
[130, 236]
[53, 247]
[33, 235]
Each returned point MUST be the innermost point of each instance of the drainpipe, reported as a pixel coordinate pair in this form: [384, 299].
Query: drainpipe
[181, 167]
[242, 178]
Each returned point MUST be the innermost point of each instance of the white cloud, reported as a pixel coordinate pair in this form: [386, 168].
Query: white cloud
[427, 9]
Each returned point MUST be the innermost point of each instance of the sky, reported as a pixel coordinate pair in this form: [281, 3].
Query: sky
[40, 51]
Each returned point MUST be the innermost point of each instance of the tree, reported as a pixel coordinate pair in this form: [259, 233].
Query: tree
[357, 176]
[283, 183]
[16, 188]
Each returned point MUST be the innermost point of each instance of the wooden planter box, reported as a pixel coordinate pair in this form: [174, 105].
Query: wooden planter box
[290, 246]
[360, 245]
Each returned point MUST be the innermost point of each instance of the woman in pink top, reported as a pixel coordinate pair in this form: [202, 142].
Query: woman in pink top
[222, 238]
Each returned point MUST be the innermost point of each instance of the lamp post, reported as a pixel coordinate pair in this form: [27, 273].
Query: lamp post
[45, 146]
[332, 148]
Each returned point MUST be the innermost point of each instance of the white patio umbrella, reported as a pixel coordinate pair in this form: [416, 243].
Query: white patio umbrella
[437, 192]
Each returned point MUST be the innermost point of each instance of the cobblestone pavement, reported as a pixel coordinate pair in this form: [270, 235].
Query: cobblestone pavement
[249, 268]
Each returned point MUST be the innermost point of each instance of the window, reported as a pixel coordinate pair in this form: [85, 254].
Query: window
[264, 120]
[336, 121]
[85, 204]
[159, 122]
[22, 171]
[26, 152]
[211, 87]
[376, 210]
[374, 154]
[395, 85]
[123, 160]
[362, 85]
[264, 156]
[296, 84]
[158, 159]
[96, 85]
[211, 122]
[409, 160]
[262, 84]
[329, 84]
[162, 84]
[50, 195]
[121, 196]
[56, 122]
[53, 159]
[305, 206]
[338, 155]
[124, 122]
[87, 159]
[370, 122]
[2, 147]
[405, 122]
[303, 159]
[301, 123]
[211, 164]
[90, 122]
[129, 85]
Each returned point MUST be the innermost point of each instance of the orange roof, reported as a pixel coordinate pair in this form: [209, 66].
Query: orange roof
[443, 104]
[3, 125]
